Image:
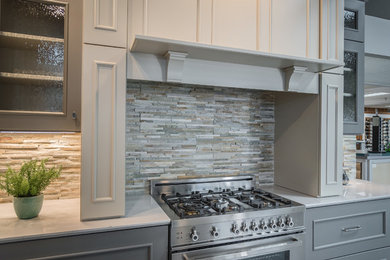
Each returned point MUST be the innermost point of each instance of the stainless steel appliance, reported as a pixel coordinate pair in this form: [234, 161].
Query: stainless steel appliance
[227, 218]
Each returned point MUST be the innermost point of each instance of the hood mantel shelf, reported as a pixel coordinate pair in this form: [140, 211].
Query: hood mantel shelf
[296, 72]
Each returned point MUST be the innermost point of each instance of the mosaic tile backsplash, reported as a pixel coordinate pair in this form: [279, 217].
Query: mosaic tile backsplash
[185, 130]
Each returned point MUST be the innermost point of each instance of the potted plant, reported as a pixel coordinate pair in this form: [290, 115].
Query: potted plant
[27, 184]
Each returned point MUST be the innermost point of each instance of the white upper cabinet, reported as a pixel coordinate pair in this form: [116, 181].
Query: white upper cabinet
[303, 28]
[288, 23]
[105, 22]
[332, 30]
[234, 23]
[172, 19]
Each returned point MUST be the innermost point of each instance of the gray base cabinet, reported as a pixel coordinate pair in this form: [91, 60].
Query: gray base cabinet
[378, 254]
[141, 244]
[347, 229]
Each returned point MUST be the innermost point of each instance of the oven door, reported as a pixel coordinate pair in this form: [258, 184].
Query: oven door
[288, 247]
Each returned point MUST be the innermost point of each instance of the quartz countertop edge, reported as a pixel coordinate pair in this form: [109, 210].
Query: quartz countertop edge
[355, 191]
[60, 218]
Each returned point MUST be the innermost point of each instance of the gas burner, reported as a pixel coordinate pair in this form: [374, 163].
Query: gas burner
[221, 204]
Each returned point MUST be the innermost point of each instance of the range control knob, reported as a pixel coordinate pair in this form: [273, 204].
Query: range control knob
[214, 232]
[235, 229]
[272, 224]
[244, 227]
[194, 235]
[263, 225]
[290, 222]
[254, 226]
[281, 223]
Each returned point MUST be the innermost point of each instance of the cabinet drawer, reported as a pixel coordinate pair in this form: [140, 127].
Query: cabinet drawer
[346, 229]
[330, 232]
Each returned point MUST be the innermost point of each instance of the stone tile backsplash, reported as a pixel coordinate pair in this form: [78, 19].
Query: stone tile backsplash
[171, 130]
[184, 130]
[349, 164]
[60, 148]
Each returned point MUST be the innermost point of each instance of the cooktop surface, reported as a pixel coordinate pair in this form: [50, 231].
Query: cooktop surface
[210, 203]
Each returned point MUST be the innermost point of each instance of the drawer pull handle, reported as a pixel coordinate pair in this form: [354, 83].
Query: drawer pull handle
[350, 229]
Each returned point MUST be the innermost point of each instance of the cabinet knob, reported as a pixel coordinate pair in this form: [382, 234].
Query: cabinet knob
[74, 115]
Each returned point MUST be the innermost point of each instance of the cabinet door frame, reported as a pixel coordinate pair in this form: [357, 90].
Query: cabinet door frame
[357, 127]
[359, 8]
[70, 118]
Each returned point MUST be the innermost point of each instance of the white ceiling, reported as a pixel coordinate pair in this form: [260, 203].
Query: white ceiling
[377, 80]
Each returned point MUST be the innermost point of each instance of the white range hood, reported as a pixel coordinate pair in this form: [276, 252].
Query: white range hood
[166, 60]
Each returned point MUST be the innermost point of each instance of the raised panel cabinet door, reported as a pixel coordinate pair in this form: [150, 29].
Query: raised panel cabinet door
[105, 22]
[331, 127]
[103, 132]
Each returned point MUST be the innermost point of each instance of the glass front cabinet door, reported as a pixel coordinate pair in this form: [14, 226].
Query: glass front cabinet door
[353, 87]
[354, 13]
[354, 67]
[35, 92]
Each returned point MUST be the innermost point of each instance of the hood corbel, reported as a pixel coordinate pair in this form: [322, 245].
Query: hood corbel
[298, 79]
[175, 65]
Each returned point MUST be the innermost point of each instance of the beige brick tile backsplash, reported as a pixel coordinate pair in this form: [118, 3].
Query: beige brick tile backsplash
[60, 148]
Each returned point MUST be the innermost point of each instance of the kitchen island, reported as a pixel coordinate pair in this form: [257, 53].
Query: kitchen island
[375, 167]
[58, 231]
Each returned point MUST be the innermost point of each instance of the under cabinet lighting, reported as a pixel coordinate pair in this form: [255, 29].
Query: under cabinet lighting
[376, 94]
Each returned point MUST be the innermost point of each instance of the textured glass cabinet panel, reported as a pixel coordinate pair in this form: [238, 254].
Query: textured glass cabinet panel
[32, 51]
[350, 85]
[350, 19]
[33, 17]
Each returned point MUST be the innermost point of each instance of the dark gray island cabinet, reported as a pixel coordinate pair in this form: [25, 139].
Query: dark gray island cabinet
[357, 231]
[138, 244]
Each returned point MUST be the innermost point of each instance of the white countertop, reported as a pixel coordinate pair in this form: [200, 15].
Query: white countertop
[355, 191]
[62, 217]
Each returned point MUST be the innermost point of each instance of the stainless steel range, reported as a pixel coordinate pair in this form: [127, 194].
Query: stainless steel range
[226, 218]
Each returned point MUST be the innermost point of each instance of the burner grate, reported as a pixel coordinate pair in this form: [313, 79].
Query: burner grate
[226, 202]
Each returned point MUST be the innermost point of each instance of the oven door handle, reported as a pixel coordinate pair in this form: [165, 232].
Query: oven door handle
[259, 250]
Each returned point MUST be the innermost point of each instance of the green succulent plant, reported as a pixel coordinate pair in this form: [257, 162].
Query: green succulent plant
[32, 178]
